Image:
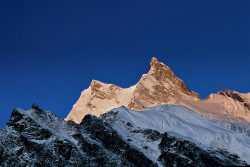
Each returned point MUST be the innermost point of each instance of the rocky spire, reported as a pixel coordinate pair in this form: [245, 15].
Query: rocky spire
[162, 73]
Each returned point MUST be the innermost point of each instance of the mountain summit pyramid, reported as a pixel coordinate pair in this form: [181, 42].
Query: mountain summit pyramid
[158, 86]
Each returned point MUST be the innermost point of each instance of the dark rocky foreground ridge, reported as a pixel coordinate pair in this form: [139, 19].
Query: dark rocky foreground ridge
[36, 137]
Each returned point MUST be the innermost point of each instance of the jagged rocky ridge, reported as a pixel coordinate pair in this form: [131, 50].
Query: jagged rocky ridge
[36, 137]
[178, 152]
[159, 86]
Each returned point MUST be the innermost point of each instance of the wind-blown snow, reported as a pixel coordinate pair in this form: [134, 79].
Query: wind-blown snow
[185, 123]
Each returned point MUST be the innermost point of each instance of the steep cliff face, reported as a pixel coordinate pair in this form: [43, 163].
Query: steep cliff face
[121, 137]
[177, 152]
[157, 87]
[38, 138]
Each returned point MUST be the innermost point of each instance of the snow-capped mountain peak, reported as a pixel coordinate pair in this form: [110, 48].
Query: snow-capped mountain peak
[158, 86]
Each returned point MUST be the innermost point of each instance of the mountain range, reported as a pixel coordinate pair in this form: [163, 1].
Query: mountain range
[160, 86]
[156, 122]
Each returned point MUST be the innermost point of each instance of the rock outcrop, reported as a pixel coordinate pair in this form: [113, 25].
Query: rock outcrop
[178, 152]
[244, 99]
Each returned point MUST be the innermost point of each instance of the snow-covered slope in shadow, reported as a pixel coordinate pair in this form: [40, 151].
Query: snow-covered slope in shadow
[178, 121]
[36, 137]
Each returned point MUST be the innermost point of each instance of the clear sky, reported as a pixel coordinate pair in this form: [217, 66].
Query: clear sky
[50, 50]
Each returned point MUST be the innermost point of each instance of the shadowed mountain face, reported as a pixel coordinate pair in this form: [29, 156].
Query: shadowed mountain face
[36, 137]
[158, 86]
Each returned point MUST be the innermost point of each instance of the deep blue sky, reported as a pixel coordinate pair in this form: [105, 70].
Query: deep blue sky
[50, 50]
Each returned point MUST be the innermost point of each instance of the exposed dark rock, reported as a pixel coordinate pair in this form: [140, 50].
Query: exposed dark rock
[36, 107]
[38, 138]
[232, 94]
[177, 152]
[111, 140]
[150, 134]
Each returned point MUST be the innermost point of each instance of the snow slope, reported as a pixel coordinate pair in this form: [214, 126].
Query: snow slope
[219, 107]
[178, 121]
